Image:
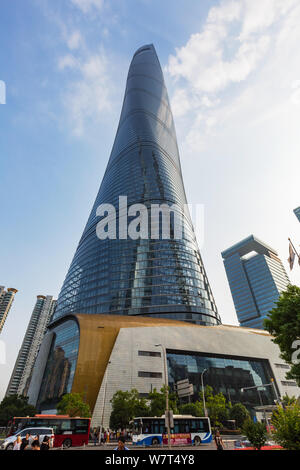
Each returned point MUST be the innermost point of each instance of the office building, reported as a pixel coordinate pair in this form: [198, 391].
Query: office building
[297, 213]
[6, 300]
[121, 353]
[161, 277]
[39, 320]
[256, 278]
[157, 276]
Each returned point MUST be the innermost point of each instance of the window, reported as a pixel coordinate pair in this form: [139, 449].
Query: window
[149, 353]
[288, 384]
[152, 375]
[282, 366]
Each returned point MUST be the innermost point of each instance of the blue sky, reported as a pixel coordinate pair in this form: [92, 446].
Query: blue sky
[232, 69]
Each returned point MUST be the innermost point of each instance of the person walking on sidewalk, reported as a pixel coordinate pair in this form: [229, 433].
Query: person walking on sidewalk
[219, 441]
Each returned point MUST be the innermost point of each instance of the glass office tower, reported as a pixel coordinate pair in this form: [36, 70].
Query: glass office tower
[145, 276]
[256, 277]
[297, 213]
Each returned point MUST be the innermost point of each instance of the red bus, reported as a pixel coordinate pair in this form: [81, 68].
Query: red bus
[68, 432]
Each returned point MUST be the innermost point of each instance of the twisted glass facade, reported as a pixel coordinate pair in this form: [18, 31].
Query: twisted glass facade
[146, 276]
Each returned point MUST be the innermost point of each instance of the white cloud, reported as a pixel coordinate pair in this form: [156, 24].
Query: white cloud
[205, 63]
[87, 5]
[74, 40]
[89, 96]
[67, 61]
[258, 17]
[240, 70]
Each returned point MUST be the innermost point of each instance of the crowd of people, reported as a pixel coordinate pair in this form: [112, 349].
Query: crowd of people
[106, 436]
[31, 443]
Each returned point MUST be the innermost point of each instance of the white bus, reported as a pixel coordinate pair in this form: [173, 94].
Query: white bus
[187, 429]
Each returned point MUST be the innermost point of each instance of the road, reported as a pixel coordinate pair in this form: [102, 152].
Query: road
[228, 441]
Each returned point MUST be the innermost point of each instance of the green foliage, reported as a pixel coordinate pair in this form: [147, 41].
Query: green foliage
[216, 405]
[194, 409]
[256, 433]
[239, 413]
[208, 392]
[158, 402]
[15, 405]
[125, 406]
[283, 323]
[287, 426]
[72, 404]
[287, 401]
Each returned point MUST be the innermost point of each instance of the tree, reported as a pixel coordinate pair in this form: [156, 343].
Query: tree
[125, 406]
[216, 405]
[239, 413]
[158, 402]
[256, 433]
[189, 409]
[72, 404]
[283, 323]
[287, 426]
[15, 405]
[287, 401]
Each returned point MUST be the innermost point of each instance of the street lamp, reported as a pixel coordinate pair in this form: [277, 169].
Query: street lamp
[167, 391]
[203, 394]
[105, 387]
[257, 387]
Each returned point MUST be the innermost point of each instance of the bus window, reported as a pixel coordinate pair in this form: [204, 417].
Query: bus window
[156, 427]
[147, 428]
[65, 426]
[81, 426]
[176, 428]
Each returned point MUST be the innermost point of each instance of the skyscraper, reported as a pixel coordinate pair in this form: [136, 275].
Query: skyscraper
[162, 277]
[297, 213]
[145, 276]
[6, 300]
[256, 277]
[20, 378]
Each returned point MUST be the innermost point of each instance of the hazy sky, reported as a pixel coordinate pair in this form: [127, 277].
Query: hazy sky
[232, 69]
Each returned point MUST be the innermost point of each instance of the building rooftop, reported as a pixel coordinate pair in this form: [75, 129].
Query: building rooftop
[247, 245]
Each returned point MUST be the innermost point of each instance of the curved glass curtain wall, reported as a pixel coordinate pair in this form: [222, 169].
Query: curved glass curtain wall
[61, 365]
[162, 278]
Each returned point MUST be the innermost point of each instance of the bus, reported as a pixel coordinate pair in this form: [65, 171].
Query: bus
[68, 432]
[187, 430]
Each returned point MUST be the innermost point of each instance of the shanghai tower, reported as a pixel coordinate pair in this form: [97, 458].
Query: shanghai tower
[146, 276]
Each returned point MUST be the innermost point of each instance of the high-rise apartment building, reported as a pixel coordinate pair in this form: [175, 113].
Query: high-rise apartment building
[297, 213]
[6, 300]
[39, 320]
[256, 277]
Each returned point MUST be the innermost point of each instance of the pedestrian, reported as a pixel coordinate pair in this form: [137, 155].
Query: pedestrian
[25, 442]
[35, 445]
[95, 435]
[107, 436]
[219, 441]
[17, 443]
[46, 443]
[121, 444]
